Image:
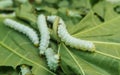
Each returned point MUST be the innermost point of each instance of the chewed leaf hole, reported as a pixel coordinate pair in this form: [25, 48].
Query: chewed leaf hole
[6, 69]
[100, 18]
[117, 9]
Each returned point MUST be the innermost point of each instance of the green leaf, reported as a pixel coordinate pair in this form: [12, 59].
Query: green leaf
[106, 59]
[63, 3]
[90, 20]
[49, 10]
[105, 32]
[69, 63]
[55, 26]
[106, 10]
[99, 62]
[81, 3]
[16, 49]
[51, 1]
[106, 39]
[26, 12]
[90, 63]
[105, 36]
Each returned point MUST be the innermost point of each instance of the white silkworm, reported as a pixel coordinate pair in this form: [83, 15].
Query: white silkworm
[69, 40]
[74, 42]
[24, 29]
[42, 25]
[52, 19]
[25, 70]
[52, 59]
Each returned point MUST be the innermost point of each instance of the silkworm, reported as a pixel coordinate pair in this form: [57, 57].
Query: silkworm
[44, 32]
[69, 40]
[25, 70]
[52, 19]
[24, 29]
[74, 42]
[52, 59]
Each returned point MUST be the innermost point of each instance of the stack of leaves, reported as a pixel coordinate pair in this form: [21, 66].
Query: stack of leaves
[96, 21]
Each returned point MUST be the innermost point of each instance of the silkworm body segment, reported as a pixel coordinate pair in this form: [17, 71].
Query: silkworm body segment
[25, 70]
[24, 29]
[44, 32]
[52, 19]
[74, 42]
[52, 59]
[69, 40]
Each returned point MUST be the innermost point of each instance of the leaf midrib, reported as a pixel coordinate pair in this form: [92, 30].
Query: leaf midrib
[105, 42]
[90, 64]
[83, 21]
[95, 27]
[5, 46]
[74, 60]
[106, 53]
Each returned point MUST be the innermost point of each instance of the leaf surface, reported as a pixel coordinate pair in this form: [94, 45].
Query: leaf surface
[16, 49]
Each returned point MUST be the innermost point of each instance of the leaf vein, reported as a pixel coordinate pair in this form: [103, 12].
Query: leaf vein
[2, 44]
